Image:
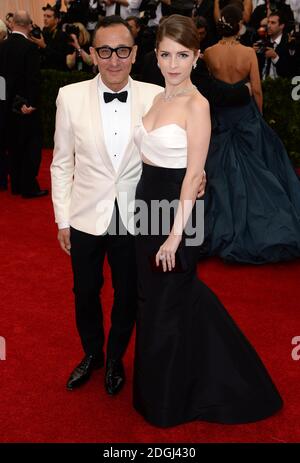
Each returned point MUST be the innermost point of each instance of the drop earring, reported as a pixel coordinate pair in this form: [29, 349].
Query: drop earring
[194, 65]
[158, 65]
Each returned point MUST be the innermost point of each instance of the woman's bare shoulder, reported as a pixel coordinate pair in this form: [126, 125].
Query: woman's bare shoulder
[210, 50]
[197, 104]
[246, 50]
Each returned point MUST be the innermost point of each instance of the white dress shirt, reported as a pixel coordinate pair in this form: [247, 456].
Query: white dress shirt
[273, 72]
[116, 121]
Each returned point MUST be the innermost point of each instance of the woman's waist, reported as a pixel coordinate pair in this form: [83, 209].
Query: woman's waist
[159, 173]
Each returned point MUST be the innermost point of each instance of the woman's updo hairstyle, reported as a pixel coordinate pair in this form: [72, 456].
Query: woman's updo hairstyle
[179, 28]
[229, 22]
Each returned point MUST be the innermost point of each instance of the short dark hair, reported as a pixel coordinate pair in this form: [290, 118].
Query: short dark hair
[113, 20]
[281, 16]
[55, 10]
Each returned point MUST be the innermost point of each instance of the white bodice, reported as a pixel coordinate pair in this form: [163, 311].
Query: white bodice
[165, 146]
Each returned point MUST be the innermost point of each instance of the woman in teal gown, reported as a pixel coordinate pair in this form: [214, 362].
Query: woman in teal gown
[252, 200]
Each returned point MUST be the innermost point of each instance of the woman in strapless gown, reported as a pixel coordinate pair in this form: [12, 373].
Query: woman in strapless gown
[191, 360]
[252, 200]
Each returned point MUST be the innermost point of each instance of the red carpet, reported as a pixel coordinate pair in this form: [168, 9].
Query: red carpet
[37, 321]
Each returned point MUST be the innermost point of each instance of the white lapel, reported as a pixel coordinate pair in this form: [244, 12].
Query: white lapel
[96, 121]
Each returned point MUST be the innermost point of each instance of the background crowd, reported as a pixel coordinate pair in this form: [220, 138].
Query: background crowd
[271, 27]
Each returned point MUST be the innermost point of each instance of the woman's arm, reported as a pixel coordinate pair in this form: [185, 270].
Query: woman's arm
[216, 10]
[255, 80]
[198, 138]
[71, 58]
[247, 10]
[86, 57]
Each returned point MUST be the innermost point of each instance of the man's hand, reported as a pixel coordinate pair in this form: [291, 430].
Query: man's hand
[270, 53]
[202, 186]
[27, 109]
[39, 42]
[74, 42]
[64, 239]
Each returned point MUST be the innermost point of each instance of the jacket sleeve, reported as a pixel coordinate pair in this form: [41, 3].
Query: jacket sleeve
[63, 164]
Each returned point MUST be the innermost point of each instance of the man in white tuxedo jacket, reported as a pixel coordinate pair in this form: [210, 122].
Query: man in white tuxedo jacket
[96, 167]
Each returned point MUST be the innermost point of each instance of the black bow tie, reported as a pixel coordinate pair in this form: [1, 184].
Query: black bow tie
[122, 96]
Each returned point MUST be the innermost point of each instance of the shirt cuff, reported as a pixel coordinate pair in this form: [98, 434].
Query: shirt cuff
[62, 225]
[275, 60]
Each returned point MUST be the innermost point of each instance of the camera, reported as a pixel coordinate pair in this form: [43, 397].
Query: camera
[71, 29]
[264, 42]
[36, 31]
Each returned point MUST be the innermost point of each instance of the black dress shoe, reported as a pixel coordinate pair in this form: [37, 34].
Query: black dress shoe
[36, 194]
[114, 376]
[83, 371]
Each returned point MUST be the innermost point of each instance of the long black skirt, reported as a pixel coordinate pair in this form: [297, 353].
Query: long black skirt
[191, 360]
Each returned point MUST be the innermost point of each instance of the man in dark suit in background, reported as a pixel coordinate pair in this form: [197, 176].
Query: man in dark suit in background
[20, 67]
[276, 56]
[53, 43]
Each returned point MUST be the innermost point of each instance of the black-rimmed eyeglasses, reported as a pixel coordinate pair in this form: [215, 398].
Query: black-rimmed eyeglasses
[106, 52]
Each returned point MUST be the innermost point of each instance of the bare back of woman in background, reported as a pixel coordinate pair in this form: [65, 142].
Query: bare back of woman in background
[252, 200]
[231, 62]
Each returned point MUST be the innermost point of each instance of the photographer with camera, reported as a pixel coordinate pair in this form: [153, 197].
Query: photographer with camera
[52, 41]
[80, 59]
[275, 56]
[20, 67]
